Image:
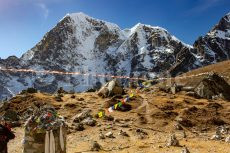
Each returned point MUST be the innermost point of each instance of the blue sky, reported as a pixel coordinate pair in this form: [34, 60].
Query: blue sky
[24, 22]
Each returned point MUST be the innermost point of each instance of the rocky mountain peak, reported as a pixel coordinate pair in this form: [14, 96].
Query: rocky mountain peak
[215, 45]
[224, 23]
[80, 43]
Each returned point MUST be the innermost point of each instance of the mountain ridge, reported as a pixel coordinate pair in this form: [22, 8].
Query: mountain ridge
[79, 43]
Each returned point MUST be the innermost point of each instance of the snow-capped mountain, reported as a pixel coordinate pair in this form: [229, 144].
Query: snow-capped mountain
[215, 45]
[79, 43]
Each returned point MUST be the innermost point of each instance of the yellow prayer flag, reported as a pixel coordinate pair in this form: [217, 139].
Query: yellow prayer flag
[115, 106]
[131, 95]
[100, 114]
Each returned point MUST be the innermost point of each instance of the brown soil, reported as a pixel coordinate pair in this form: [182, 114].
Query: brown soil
[155, 112]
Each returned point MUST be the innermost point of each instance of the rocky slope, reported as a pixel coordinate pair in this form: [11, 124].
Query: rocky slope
[79, 43]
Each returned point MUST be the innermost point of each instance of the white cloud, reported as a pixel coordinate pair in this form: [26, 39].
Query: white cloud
[44, 9]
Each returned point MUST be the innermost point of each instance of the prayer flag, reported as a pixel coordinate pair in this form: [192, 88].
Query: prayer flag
[110, 109]
[131, 95]
[115, 106]
[100, 114]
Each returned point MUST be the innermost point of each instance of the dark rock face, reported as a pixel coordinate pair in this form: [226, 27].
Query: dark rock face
[215, 45]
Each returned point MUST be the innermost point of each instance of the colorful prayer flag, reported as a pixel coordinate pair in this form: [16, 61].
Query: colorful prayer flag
[110, 109]
[100, 114]
[115, 106]
[131, 95]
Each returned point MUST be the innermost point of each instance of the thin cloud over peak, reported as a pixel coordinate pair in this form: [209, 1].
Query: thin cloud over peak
[44, 9]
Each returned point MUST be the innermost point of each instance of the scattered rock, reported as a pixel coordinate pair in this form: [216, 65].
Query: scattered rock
[178, 127]
[141, 133]
[95, 146]
[80, 99]
[223, 129]
[185, 150]
[173, 141]
[79, 127]
[160, 146]
[101, 136]
[126, 125]
[227, 139]
[83, 115]
[70, 105]
[109, 135]
[123, 133]
[217, 136]
[109, 118]
[184, 134]
[73, 96]
[89, 121]
[58, 98]
[184, 121]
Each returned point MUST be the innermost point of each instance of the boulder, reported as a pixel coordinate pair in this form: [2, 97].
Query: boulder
[213, 85]
[110, 89]
[78, 126]
[81, 116]
[95, 146]
[109, 135]
[89, 121]
[217, 136]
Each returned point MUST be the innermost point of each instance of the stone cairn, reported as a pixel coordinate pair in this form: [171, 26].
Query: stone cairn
[45, 132]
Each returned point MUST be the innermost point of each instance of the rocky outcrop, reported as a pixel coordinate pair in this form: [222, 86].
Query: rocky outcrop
[212, 86]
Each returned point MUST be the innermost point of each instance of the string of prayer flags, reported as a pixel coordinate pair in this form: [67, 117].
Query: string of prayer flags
[118, 105]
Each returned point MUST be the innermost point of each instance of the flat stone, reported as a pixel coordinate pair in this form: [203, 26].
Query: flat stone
[109, 135]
